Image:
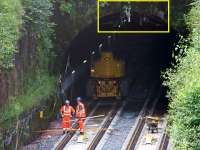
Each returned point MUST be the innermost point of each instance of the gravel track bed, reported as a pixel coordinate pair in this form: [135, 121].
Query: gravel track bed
[42, 144]
[122, 128]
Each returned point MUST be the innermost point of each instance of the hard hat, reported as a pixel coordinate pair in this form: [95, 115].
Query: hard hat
[78, 98]
[67, 101]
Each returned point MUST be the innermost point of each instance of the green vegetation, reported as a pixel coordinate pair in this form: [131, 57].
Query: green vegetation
[67, 7]
[10, 22]
[41, 88]
[37, 85]
[35, 15]
[36, 19]
[184, 88]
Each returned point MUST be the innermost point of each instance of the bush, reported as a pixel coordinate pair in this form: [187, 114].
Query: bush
[184, 89]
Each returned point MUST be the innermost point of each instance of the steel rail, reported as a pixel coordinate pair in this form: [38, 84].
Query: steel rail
[105, 125]
[136, 134]
[71, 133]
[65, 140]
[140, 124]
[164, 142]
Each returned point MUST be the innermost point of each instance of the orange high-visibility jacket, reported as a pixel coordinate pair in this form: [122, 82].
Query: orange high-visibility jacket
[80, 111]
[67, 111]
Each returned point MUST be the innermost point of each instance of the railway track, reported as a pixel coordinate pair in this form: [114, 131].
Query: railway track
[164, 142]
[123, 123]
[105, 125]
[139, 126]
[148, 107]
[136, 134]
[67, 137]
[159, 139]
[65, 140]
[92, 125]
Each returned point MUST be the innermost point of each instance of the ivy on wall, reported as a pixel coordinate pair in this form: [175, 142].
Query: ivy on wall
[36, 19]
[35, 14]
[17, 16]
[10, 22]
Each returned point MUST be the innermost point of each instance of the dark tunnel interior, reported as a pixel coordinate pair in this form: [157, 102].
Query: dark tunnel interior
[140, 51]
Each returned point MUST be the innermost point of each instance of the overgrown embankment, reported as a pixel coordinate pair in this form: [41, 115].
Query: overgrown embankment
[10, 22]
[184, 87]
[26, 54]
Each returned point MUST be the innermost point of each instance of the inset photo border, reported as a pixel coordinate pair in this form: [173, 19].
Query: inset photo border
[133, 31]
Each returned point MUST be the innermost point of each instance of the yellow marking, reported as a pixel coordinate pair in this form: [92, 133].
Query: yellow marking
[148, 139]
[104, 31]
[41, 114]
[80, 139]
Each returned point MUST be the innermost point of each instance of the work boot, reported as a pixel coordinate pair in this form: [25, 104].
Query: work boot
[63, 131]
[67, 132]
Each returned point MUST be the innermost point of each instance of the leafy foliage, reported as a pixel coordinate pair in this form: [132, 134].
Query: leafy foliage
[36, 19]
[17, 16]
[67, 7]
[10, 22]
[34, 92]
[35, 14]
[184, 88]
[38, 84]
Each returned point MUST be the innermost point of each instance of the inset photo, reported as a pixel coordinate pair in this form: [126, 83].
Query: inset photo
[123, 16]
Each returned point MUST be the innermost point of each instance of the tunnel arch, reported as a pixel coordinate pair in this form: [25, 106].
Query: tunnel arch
[136, 49]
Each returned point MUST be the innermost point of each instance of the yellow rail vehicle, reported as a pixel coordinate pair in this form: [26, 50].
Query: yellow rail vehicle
[106, 73]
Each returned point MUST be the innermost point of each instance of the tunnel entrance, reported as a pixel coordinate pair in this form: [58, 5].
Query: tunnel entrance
[141, 52]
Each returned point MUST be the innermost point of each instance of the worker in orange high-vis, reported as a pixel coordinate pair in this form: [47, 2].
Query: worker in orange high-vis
[66, 111]
[80, 114]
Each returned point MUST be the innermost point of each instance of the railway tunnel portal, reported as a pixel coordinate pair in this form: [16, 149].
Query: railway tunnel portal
[145, 57]
[139, 51]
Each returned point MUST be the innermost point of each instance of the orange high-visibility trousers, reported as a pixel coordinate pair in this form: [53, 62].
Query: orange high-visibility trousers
[80, 114]
[81, 125]
[66, 123]
[66, 112]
